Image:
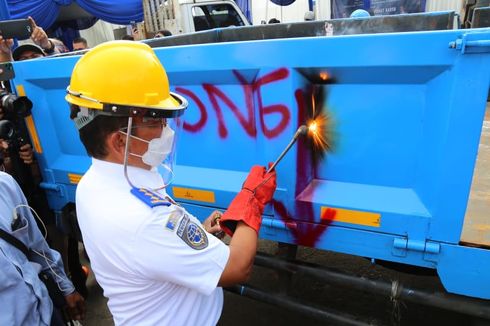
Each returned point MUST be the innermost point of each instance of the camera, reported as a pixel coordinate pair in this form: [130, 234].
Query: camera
[14, 106]
[13, 110]
[8, 132]
[12, 126]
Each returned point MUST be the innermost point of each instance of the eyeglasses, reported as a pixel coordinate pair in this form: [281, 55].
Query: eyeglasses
[149, 123]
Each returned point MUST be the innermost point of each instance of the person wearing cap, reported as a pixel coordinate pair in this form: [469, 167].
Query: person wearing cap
[156, 262]
[27, 51]
[41, 46]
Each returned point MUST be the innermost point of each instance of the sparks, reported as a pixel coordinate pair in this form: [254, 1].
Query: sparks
[319, 131]
[324, 75]
[313, 127]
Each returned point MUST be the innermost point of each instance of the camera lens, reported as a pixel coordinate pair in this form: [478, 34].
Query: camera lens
[13, 105]
[7, 131]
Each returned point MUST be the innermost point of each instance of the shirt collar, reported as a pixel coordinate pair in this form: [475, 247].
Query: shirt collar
[143, 178]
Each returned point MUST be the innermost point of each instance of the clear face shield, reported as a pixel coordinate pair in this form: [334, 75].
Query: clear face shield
[161, 150]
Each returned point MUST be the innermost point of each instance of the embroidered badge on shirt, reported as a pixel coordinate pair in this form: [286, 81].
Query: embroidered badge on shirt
[182, 225]
[192, 234]
[149, 197]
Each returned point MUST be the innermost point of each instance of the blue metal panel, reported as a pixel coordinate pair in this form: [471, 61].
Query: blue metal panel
[465, 270]
[398, 102]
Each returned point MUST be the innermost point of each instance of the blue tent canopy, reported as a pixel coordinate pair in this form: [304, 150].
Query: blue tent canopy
[45, 12]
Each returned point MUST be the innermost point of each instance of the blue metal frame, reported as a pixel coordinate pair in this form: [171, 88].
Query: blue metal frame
[399, 103]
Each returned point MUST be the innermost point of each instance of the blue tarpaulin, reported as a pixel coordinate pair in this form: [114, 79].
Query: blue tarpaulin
[4, 12]
[45, 12]
[245, 8]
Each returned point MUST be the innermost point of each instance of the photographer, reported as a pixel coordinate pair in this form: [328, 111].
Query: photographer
[25, 152]
[16, 155]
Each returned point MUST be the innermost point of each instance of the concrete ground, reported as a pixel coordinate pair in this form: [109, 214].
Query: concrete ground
[366, 307]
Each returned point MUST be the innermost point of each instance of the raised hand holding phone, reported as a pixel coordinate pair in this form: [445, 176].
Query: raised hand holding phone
[20, 29]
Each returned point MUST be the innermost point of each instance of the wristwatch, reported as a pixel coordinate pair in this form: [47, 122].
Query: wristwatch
[51, 49]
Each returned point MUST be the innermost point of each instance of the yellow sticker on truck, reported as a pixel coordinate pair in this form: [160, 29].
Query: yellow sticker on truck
[74, 178]
[350, 216]
[36, 143]
[194, 194]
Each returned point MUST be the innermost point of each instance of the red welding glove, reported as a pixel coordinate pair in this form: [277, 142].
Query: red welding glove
[248, 205]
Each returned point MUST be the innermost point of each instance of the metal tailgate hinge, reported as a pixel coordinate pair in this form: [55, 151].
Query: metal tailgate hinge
[402, 245]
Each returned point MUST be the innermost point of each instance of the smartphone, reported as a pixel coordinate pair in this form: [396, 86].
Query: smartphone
[20, 29]
[6, 71]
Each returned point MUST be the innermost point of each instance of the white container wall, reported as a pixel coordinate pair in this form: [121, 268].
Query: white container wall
[100, 32]
[444, 5]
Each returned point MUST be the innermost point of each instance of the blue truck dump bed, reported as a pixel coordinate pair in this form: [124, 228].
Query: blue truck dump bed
[404, 113]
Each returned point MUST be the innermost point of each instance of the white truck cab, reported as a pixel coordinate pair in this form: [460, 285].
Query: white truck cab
[187, 16]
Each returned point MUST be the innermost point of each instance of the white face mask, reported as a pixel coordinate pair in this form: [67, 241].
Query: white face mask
[158, 148]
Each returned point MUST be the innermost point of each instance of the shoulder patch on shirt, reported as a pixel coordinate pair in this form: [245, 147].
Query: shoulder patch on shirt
[149, 197]
[172, 220]
[192, 234]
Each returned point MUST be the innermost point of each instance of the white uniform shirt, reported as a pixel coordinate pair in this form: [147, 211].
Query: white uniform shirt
[156, 265]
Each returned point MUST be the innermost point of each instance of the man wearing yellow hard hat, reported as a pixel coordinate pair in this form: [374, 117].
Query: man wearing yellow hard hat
[157, 264]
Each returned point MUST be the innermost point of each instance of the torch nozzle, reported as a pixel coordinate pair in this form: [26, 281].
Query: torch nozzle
[302, 130]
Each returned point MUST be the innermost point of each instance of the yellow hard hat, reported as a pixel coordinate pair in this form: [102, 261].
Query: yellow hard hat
[123, 78]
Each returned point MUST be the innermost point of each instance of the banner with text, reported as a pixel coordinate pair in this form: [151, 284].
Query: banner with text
[343, 8]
